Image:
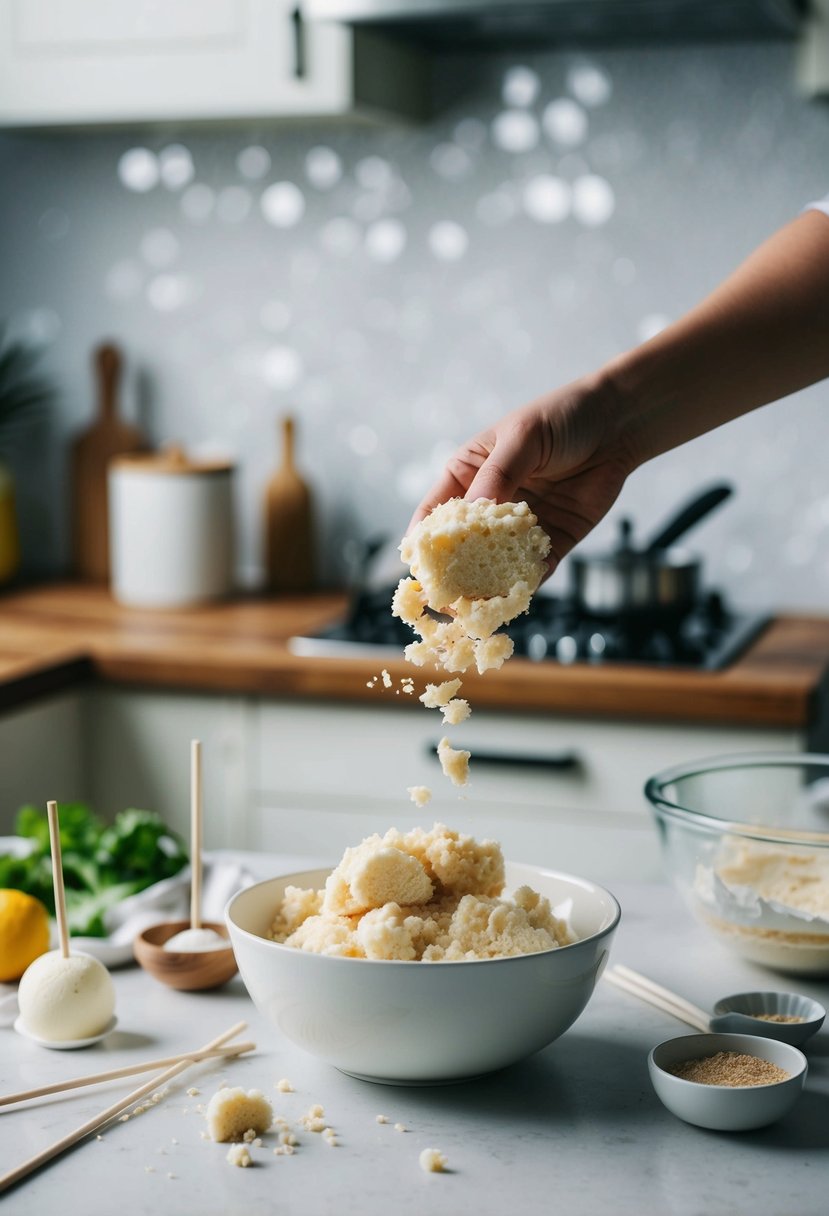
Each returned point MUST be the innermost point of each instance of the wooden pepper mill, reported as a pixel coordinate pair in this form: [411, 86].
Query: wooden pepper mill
[289, 541]
[91, 454]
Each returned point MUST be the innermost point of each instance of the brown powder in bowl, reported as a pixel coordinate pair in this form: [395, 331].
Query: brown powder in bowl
[777, 1017]
[730, 1068]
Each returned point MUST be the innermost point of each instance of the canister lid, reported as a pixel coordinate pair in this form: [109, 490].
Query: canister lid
[171, 459]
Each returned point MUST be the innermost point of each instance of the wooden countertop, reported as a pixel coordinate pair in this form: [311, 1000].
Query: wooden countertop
[56, 635]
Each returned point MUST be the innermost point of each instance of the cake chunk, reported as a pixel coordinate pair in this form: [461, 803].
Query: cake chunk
[454, 762]
[233, 1111]
[475, 550]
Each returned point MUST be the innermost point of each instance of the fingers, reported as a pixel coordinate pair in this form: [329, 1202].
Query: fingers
[505, 468]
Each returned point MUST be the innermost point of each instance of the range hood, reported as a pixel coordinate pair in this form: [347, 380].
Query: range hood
[501, 24]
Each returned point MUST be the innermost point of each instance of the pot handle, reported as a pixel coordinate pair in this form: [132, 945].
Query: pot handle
[691, 514]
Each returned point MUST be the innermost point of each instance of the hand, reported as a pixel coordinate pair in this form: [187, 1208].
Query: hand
[561, 454]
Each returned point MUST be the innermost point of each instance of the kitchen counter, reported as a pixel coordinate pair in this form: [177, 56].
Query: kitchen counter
[54, 636]
[576, 1128]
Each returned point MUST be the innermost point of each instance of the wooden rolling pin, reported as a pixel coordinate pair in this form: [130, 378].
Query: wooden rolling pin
[289, 539]
[91, 453]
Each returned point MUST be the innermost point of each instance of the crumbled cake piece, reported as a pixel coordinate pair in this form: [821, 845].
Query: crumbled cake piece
[400, 1127]
[380, 1119]
[193, 1092]
[419, 794]
[454, 762]
[231, 1113]
[438, 695]
[314, 1119]
[456, 711]
[432, 1161]
[238, 1154]
[386, 678]
[250, 1135]
[461, 920]
[492, 653]
[475, 550]
[284, 1085]
[372, 875]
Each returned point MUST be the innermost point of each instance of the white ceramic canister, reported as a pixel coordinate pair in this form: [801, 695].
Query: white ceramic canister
[171, 529]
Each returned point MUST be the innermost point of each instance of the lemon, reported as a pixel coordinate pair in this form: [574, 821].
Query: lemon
[24, 933]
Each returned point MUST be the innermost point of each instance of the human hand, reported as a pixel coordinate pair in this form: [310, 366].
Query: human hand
[562, 454]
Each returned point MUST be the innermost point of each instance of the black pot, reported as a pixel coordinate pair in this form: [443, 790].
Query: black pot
[657, 579]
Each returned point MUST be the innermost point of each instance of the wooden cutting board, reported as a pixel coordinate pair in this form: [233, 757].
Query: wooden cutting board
[288, 524]
[90, 455]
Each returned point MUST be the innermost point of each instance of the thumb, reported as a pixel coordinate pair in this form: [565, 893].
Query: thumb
[502, 472]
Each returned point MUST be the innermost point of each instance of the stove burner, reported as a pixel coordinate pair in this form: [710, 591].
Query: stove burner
[707, 638]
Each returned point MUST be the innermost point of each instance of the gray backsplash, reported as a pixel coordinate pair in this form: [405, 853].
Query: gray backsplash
[402, 287]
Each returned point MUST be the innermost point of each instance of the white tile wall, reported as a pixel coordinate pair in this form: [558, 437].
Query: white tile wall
[399, 289]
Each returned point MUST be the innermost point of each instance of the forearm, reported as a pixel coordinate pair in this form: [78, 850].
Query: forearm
[764, 333]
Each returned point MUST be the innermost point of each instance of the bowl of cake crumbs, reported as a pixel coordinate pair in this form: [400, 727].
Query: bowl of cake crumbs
[727, 1082]
[422, 957]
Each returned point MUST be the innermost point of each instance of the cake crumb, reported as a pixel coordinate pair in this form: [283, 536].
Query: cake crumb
[169, 1175]
[419, 794]
[99, 1137]
[436, 696]
[238, 1154]
[400, 1127]
[149, 1169]
[456, 711]
[284, 1086]
[432, 1161]
[233, 1113]
[193, 1092]
[454, 762]
[386, 678]
[380, 1119]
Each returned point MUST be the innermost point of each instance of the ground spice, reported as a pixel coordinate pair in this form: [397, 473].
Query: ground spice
[730, 1068]
[777, 1017]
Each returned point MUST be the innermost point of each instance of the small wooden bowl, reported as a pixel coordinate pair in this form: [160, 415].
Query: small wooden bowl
[189, 971]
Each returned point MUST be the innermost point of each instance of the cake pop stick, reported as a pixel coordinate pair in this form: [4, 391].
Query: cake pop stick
[57, 877]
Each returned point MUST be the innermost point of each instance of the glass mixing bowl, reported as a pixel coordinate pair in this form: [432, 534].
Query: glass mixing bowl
[745, 839]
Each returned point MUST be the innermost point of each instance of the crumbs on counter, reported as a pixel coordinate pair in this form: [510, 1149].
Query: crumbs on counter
[432, 1161]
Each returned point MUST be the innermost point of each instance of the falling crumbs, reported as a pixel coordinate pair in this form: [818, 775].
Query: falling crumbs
[778, 1017]
[730, 1068]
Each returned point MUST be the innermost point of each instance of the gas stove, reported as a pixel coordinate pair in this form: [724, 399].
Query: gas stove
[708, 638]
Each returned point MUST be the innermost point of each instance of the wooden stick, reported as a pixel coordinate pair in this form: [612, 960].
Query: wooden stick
[634, 977]
[98, 1121]
[57, 877]
[651, 998]
[195, 834]
[112, 1074]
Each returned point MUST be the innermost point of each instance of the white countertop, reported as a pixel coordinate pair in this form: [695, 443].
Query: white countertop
[575, 1129]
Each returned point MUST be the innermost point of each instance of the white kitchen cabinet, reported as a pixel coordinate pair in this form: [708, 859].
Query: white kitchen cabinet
[138, 754]
[42, 755]
[301, 777]
[326, 775]
[109, 62]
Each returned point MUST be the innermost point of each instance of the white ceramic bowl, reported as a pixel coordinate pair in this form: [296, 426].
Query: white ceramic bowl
[424, 1023]
[725, 1108]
